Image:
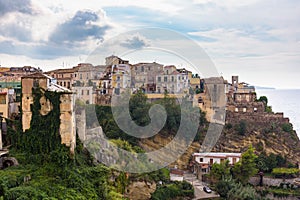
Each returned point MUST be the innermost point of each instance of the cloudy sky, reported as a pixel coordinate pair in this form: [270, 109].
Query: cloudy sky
[259, 40]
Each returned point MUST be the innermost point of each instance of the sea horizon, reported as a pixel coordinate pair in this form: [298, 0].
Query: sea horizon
[285, 101]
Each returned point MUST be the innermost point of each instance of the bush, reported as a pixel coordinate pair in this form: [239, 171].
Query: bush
[228, 126]
[287, 127]
[241, 127]
[171, 191]
[285, 172]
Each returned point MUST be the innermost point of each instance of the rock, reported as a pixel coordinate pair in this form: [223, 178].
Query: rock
[141, 190]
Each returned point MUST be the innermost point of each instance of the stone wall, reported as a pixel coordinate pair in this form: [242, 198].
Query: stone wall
[256, 117]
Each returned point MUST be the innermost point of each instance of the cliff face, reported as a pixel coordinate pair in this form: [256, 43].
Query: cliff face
[269, 133]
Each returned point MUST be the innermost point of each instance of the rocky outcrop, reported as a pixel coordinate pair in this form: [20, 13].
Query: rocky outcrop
[263, 131]
[141, 190]
[159, 141]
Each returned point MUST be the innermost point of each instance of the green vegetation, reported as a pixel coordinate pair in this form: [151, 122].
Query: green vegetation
[173, 190]
[219, 171]
[241, 127]
[264, 99]
[230, 189]
[280, 192]
[139, 107]
[245, 168]
[43, 136]
[285, 172]
[267, 163]
[231, 182]
[47, 170]
[287, 127]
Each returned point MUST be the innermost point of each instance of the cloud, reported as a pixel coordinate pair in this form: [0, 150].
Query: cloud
[22, 6]
[135, 42]
[79, 28]
[73, 37]
[40, 51]
[15, 31]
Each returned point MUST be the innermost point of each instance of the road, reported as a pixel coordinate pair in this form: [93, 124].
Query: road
[198, 187]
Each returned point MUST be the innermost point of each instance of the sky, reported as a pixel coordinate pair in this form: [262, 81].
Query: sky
[259, 40]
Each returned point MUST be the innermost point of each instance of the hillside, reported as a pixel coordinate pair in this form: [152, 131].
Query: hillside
[267, 136]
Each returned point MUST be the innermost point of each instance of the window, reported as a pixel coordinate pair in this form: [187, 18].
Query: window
[201, 159]
[118, 78]
[142, 68]
[165, 79]
[149, 68]
[88, 92]
[36, 83]
[172, 78]
[82, 92]
[178, 77]
[87, 75]
[167, 71]
[80, 75]
[233, 160]
[159, 79]
[244, 109]
[236, 109]
[2, 99]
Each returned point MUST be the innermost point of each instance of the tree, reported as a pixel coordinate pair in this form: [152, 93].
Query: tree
[220, 171]
[263, 99]
[139, 107]
[241, 127]
[246, 167]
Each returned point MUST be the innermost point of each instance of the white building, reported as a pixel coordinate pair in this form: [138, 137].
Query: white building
[172, 81]
[176, 175]
[204, 161]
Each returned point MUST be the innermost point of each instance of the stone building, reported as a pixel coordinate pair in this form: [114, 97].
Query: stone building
[173, 81]
[64, 77]
[120, 77]
[241, 97]
[67, 114]
[143, 75]
[115, 60]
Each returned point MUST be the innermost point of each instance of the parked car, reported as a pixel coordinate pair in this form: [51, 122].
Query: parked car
[207, 189]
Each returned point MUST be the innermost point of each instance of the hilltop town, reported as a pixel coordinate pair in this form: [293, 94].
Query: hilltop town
[54, 100]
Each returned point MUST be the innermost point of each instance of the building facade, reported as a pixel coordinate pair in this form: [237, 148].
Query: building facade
[67, 115]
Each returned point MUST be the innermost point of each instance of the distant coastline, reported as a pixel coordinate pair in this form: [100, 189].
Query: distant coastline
[264, 88]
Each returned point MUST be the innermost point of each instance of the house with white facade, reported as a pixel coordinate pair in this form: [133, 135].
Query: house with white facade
[202, 162]
[171, 80]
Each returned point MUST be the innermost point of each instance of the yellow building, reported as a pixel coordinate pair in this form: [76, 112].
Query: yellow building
[67, 115]
[4, 102]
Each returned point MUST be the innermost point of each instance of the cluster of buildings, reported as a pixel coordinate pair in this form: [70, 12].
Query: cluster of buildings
[87, 83]
[96, 84]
